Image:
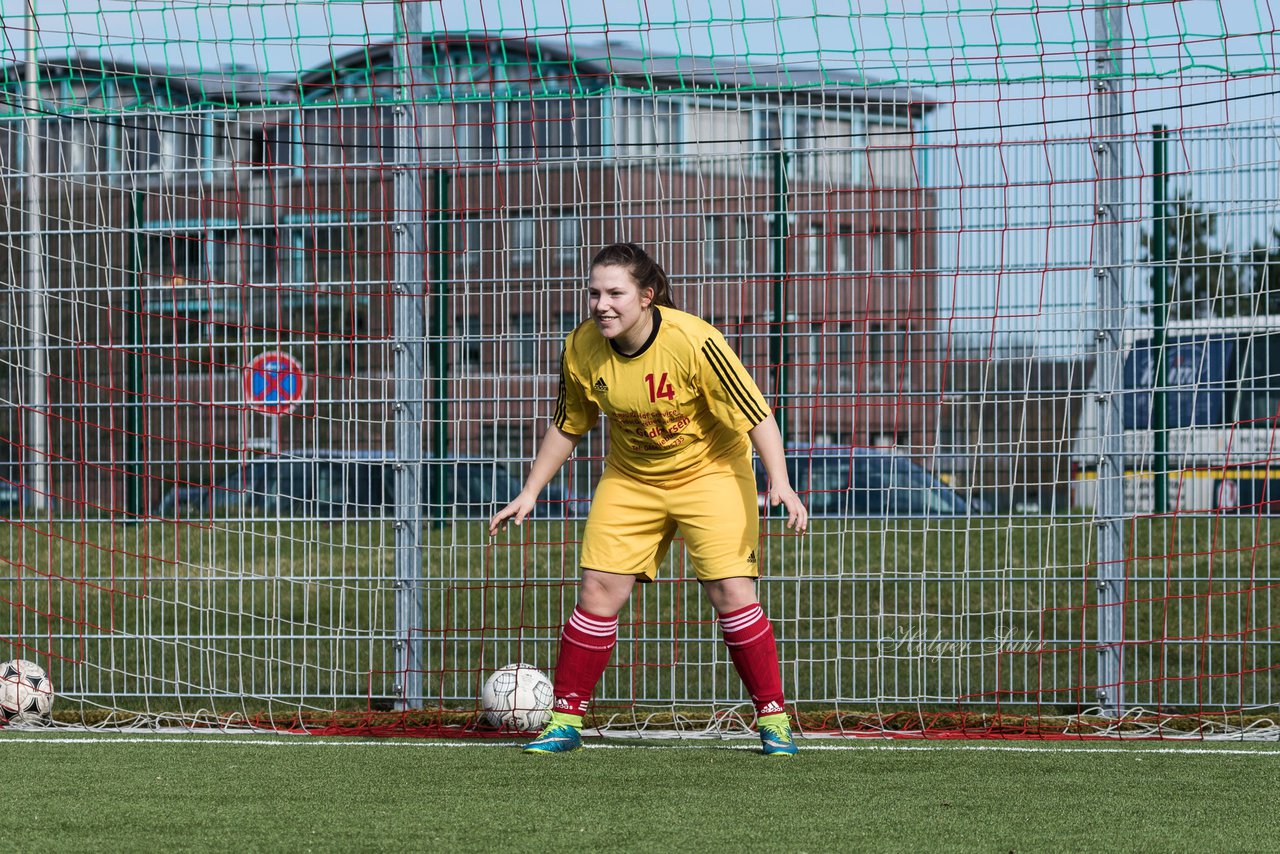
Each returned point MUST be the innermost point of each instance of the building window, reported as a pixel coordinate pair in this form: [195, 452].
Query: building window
[257, 258]
[901, 253]
[175, 255]
[743, 245]
[890, 160]
[470, 346]
[846, 356]
[523, 338]
[815, 257]
[713, 239]
[522, 238]
[225, 144]
[553, 128]
[192, 301]
[139, 143]
[903, 342]
[270, 144]
[473, 132]
[471, 239]
[876, 352]
[563, 322]
[217, 255]
[767, 133]
[75, 146]
[222, 256]
[844, 249]
[568, 239]
[329, 253]
[347, 135]
[11, 141]
[645, 126]
[891, 252]
[807, 148]
[814, 354]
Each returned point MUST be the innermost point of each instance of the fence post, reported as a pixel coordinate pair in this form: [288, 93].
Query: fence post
[778, 263]
[1159, 318]
[38, 479]
[134, 499]
[1107, 131]
[440, 218]
[407, 355]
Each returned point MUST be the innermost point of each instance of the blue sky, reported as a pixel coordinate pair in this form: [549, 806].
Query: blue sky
[1011, 78]
[921, 41]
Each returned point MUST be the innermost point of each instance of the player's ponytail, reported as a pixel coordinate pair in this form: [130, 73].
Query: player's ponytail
[640, 264]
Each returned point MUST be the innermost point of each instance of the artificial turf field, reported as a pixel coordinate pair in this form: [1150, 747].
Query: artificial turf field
[195, 792]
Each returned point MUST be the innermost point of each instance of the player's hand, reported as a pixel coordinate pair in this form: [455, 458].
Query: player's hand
[797, 514]
[516, 512]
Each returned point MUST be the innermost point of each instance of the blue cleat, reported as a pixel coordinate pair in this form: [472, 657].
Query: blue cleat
[562, 735]
[775, 735]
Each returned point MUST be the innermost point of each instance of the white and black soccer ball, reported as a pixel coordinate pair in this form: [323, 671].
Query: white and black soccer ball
[518, 697]
[26, 692]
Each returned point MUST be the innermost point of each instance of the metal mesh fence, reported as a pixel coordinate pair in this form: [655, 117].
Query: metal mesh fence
[279, 336]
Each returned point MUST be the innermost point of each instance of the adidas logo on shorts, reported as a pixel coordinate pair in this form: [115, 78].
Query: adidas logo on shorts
[601, 386]
[751, 558]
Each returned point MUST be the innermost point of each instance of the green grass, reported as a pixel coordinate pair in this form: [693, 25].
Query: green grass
[209, 792]
[303, 612]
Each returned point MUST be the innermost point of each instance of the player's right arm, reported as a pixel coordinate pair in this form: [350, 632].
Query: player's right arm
[553, 450]
[575, 415]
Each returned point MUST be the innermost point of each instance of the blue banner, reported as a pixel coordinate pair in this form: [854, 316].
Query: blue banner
[1196, 373]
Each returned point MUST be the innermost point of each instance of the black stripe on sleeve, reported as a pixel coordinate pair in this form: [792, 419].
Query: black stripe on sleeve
[732, 382]
[560, 414]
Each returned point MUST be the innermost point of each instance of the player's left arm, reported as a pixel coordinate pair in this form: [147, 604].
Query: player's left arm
[767, 440]
[735, 400]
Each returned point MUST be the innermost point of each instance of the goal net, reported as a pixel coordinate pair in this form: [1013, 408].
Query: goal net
[286, 286]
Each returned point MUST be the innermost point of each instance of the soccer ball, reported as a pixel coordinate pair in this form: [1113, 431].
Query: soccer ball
[517, 696]
[26, 692]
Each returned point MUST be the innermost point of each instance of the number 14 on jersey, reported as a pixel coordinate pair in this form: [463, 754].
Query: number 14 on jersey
[661, 391]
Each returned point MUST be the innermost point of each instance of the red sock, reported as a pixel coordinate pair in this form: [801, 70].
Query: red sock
[585, 647]
[749, 636]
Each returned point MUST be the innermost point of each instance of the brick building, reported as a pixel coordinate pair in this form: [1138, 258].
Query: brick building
[197, 218]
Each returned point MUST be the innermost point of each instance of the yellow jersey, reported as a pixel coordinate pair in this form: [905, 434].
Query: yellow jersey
[681, 403]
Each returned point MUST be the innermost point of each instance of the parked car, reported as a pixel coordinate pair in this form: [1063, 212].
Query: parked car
[10, 489]
[326, 487]
[836, 481]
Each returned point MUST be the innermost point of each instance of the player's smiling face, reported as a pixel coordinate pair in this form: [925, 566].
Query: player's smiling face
[619, 308]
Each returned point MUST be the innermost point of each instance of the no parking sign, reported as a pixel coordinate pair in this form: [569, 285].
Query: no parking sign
[274, 383]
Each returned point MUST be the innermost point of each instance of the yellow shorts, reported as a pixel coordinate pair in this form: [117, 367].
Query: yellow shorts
[631, 524]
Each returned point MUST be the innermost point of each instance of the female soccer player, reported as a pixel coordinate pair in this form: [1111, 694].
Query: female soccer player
[681, 409]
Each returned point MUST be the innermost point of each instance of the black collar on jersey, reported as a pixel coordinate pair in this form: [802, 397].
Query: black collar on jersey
[653, 333]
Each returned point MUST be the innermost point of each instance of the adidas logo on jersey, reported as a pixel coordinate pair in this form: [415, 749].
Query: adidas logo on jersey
[773, 707]
[601, 386]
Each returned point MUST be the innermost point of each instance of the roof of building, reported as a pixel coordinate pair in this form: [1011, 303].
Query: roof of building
[630, 62]
[230, 85]
[621, 64]
[596, 64]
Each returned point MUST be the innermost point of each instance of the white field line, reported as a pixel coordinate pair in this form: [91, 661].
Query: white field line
[1224, 749]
